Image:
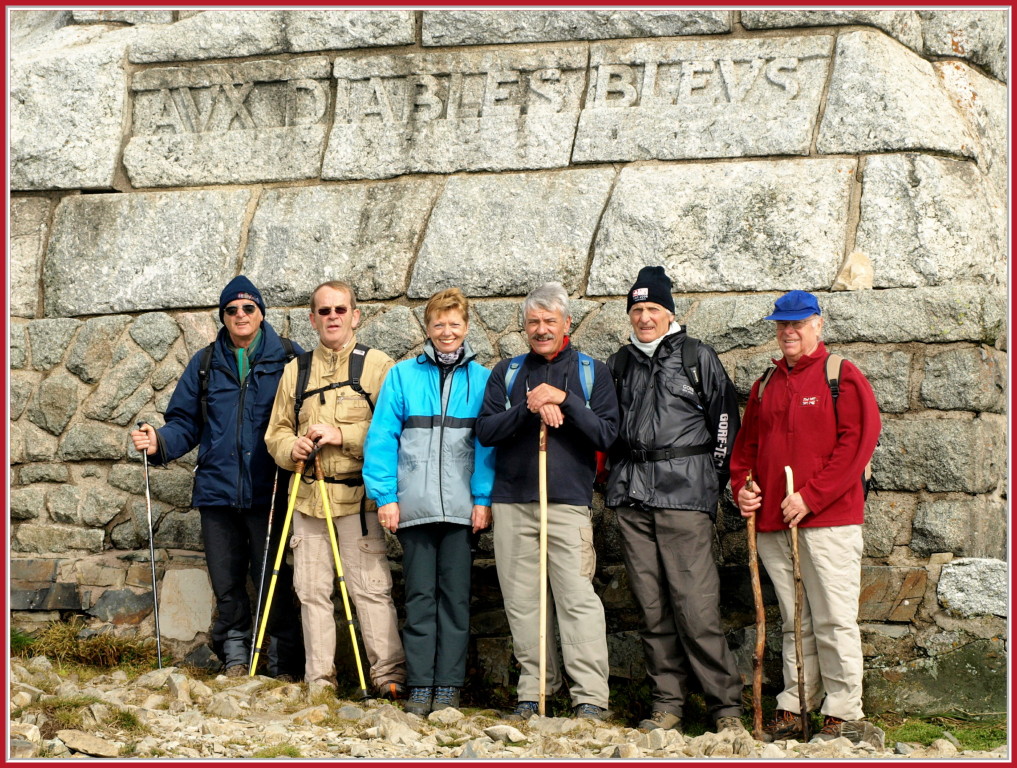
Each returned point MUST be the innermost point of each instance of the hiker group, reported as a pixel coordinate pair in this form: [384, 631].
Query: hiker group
[310, 457]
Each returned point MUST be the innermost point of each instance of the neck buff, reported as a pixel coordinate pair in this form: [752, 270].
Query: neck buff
[649, 347]
[450, 358]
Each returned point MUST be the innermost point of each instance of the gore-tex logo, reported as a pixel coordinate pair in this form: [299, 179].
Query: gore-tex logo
[810, 401]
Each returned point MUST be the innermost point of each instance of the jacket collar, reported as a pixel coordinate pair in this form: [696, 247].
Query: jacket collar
[565, 353]
[468, 353]
[818, 354]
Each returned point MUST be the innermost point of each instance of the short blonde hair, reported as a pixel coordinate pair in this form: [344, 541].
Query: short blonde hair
[336, 285]
[446, 301]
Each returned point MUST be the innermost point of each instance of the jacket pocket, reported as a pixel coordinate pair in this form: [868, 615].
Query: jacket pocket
[350, 410]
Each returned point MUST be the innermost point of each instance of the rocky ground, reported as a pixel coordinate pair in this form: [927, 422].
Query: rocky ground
[166, 713]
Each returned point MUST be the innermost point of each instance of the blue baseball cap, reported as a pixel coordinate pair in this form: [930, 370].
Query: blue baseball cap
[795, 305]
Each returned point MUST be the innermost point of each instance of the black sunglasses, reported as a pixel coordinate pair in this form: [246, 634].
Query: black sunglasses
[326, 311]
[249, 309]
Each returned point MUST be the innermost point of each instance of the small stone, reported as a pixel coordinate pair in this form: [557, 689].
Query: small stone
[78, 741]
[505, 733]
[446, 716]
[311, 715]
[627, 751]
[350, 712]
[20, 749]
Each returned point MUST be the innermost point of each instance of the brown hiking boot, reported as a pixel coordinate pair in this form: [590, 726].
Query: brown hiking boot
[237, 670]
[831, 729]
[730, 723]
[660, 719]
[785, 725]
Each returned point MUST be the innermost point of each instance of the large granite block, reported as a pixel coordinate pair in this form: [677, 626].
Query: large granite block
[213, 35]
[229, 123]
[441, 113]
[127, 17]
[890, 593]
[687, 99]
[29, 219]
[488, 27]
[978, 36]
[124, 253]
[330, 30]
[906, 26]
[726, 227]
[971, 379]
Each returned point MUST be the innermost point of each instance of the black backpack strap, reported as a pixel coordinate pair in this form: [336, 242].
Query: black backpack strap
[290, 350]
[620, 367]
[300, 391]
[203, 368]
[690, 362]
[833, 363]
[357, 357]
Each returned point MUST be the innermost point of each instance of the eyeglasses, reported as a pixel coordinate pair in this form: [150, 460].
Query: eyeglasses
[247, 309]
[795, 324]
[326, 311]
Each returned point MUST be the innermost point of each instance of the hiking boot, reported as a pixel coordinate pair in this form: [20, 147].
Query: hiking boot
[733, 724]
[832, 729]
[785, 725]
[392, 690]
[286, 678]
[660, 719]
[445, 696]
[237, 670]
[419, 701]
[524, 711]
[591, 712]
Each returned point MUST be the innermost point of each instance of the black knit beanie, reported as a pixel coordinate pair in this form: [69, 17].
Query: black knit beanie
[239, 288]
[654, 285]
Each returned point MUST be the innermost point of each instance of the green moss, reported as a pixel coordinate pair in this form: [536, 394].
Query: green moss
[279, 750]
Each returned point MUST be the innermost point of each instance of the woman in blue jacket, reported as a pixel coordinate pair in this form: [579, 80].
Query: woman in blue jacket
[432, 482]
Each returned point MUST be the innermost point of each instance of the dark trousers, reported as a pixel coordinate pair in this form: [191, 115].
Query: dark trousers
[234, 549]
[436, 571]
[672, 574]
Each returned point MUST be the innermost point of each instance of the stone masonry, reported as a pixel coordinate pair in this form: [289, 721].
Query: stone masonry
[858, 154]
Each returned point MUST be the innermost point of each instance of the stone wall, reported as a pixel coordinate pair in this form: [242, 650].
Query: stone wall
[858, 154]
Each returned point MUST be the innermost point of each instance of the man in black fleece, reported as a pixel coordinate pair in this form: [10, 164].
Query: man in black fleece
[548, 385]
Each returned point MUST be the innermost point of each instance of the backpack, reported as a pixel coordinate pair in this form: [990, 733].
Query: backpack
[357, 357]
[206, 365]
[585, 376]
[832, 369]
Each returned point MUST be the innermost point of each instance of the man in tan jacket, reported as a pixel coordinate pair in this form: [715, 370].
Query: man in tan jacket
[335, 415]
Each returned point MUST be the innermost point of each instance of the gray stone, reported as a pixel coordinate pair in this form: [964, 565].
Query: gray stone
[44, 473]
[974, 587]
[155, 333]
[22, 384]
[122, 381]
[48, 341]
[967, 527]
[363, 234]
[731, 322]
[930, 315]
[89, 440]
[127, 17]
[86, 743]
[29, 218]
[185, 603]
[515, 231]
[212, 35]
[236, 124]
[978, 36]
[18, 349]
[130, 408]
[504, 733]
[48, 538]
[122, 606]
[888, 520]
[93, 351]
[54, 404]
[605, 331]
[905, 26]
[928, 221]
[884, 98]
[200, 329]
[888, 371]
[67, 116]
[493, 110]
[725, 227]
[965, 380]
[177, 530]
[38, 444]
[30, 30]
[696, 99]
[172, 485]
[488, 27]
[319, 30]
[27, 503]
[499, 315]
[395, 332]
[940, 454]
[113, 253]
[63, 502]
[100, 505]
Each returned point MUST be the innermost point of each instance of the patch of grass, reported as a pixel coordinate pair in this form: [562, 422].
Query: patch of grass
[975, 732]
[21, 643]
[279, 750]
[127, 721]
[61, 641]
[60, 712]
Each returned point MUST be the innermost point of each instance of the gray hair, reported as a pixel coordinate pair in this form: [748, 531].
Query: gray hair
[550, 297]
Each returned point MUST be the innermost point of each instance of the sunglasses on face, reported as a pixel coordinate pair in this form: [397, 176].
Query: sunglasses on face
[326, 311]
[247, 309]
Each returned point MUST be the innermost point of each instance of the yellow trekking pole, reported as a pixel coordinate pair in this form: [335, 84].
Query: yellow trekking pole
[278, 562]
[319, 476]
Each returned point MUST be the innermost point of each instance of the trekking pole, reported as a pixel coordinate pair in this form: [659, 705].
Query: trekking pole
[319, 476]
[542, 475]
[264, 564]
[278, 561]
[760, 649]
[151, 555]
[799, 605]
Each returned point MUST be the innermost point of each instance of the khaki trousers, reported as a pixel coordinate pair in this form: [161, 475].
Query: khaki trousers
[831, 642]
[369, 583]
[571, 600]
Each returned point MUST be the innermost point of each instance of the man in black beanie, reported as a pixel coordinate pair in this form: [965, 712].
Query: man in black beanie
[222, 404]
[679, 416]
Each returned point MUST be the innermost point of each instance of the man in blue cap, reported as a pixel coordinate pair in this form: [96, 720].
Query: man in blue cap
[816, 413]
[222, 404]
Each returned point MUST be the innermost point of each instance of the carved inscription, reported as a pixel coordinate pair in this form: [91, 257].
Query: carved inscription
[491, 110]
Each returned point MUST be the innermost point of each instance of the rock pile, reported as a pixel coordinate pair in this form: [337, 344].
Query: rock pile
[166, 713]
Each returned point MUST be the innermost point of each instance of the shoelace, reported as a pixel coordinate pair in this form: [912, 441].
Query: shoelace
[588, 709]
[420, 695]
[444, 694]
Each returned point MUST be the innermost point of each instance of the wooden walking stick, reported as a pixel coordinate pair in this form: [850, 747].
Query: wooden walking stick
[542, 637]
[760, 649]
[799, 604]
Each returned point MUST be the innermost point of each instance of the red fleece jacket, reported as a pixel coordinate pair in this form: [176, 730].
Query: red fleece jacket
[795, 425]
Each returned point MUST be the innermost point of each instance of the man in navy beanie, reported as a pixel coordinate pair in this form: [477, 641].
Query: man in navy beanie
[222, 404]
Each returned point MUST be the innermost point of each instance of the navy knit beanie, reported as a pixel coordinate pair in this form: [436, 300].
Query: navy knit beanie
[239, 288]
[654, 285]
